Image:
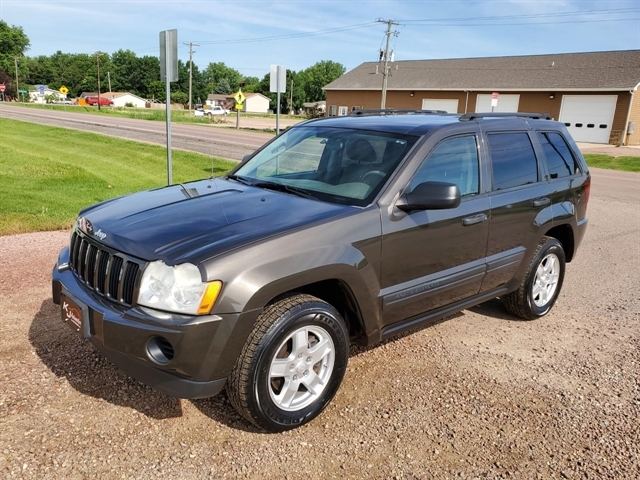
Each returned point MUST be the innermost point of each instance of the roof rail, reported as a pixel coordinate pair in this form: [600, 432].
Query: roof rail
[477, 116]
[394, 111]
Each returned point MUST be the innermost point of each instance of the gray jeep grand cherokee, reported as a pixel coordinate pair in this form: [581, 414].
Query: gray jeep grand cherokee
[347, 229]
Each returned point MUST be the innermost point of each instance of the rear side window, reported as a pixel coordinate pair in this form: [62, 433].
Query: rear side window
[560, 160]
[513, 160]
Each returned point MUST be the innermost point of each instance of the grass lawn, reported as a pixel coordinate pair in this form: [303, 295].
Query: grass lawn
[627, 164]
[47, 174]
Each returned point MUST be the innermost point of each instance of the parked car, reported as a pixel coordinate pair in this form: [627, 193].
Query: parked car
[343, 229]
[65, 101]
[214, 110]
[103, 101]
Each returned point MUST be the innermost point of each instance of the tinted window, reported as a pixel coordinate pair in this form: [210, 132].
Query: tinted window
[453, 161]
[513, 160]
[560, 161]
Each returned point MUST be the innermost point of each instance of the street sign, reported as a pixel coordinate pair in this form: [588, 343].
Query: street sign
[278, 79]
[22, 91]
[64, 90]
[494, 99]
[239, 106]
[169, 55]
[2, 87]
[239, 97]
[41, 89]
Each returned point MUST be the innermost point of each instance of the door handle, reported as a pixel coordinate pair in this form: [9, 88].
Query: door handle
[481, 217]
[541, 202]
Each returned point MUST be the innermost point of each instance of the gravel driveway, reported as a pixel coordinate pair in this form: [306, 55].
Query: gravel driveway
[478, 396]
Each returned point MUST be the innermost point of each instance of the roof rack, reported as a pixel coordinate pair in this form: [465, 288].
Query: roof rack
[477, 116]
[394, 111]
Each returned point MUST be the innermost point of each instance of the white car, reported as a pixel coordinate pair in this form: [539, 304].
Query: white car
[214, 110]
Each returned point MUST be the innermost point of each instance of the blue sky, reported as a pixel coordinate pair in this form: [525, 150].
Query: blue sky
[244, 34]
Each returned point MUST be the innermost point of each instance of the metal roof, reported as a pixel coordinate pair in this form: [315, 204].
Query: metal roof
[600, 71]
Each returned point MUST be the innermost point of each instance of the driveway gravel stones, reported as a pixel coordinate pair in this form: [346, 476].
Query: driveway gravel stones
[480, 395]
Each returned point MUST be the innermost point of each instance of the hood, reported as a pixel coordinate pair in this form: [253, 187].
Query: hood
[210, 217]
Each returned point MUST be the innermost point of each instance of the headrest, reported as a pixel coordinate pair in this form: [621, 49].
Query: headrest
[361, 151]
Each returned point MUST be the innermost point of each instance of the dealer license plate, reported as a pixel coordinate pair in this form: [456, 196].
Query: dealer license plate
[75, 315]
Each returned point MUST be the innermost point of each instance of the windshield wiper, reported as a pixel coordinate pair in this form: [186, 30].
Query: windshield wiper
[240, 179]
[280, 187]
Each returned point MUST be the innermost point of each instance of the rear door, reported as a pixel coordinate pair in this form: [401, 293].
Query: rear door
[519, 194]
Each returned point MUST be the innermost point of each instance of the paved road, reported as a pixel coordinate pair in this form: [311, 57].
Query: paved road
[234, 144]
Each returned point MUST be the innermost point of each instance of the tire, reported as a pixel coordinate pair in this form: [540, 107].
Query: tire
[291, 365]
[542, 283]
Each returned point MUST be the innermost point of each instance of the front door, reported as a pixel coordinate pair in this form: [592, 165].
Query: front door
[436, 257]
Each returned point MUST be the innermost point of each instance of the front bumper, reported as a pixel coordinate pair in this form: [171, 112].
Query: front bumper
[203, 348]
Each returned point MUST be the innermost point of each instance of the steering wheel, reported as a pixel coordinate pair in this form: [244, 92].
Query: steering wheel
[372, 174]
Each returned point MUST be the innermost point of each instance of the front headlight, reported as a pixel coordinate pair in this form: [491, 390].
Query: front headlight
[177, 289]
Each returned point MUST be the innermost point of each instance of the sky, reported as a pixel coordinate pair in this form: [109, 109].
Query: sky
[251, 35]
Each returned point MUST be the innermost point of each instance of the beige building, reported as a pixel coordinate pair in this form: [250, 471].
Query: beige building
[594, 94]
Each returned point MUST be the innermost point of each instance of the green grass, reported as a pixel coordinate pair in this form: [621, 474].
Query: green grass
[48, 174]
[627, 164]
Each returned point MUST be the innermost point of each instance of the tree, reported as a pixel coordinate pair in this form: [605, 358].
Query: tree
[223, 87]
[13, 44]
[217, 72]
[319, 75]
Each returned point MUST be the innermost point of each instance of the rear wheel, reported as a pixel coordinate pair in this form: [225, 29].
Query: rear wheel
[542, 283]
[292, 364]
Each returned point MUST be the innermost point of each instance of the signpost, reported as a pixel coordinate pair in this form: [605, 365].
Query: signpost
[494, 100]
[278, 85]
[22, 92]
[168, 74]
[239, 98]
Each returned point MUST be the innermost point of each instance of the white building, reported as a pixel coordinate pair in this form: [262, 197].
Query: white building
[121, 99]
[256, 103]
[37, 97]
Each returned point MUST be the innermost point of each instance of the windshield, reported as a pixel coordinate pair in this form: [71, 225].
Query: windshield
[337, 165]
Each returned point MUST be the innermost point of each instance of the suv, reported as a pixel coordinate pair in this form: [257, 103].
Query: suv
[343, 229]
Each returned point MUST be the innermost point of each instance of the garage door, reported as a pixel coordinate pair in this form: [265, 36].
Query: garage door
[449, 106]
[588, 117]
[506, 103]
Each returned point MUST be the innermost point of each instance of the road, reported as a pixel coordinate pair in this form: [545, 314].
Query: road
[218, 142]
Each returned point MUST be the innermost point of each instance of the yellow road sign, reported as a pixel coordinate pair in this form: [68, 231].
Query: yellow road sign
[239, 106]
[239, 97]
[64, 90]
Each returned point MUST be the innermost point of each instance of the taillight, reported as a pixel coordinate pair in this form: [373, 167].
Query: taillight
[587, 190]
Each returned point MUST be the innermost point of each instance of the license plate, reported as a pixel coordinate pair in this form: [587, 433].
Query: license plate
[75, 315]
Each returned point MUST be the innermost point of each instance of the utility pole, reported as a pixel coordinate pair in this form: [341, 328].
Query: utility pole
[109, 78]
[385, 71]
[291, 98]
[17, 84]
[191, 52]
[98, 54]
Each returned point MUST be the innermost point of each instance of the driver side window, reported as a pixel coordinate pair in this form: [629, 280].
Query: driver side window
[454, 160]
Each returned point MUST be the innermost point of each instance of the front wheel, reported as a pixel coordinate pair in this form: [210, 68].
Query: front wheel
[292, 364]
[542, 283]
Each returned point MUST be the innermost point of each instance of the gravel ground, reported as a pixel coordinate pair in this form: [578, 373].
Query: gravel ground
[478, 396]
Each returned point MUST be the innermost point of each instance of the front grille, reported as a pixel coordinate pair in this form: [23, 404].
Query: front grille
[105, 271]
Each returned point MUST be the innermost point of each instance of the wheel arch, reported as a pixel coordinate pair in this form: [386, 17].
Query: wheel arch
[564, 234]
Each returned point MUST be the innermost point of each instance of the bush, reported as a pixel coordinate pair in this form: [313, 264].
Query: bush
[128, 104]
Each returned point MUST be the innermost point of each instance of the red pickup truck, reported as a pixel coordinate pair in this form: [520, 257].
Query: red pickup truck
[94, 101]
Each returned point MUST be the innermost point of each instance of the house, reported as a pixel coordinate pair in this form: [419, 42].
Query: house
[123, 99]
[311, 107]
[36, 97]
[254, 102]
[594, 94]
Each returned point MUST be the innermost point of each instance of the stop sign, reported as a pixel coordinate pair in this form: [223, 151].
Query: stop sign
[2, 87]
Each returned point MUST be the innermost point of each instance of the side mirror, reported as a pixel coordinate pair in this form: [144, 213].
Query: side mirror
[247, 157]
[430, 196]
